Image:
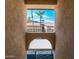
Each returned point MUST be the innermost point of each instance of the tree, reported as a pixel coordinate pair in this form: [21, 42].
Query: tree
[32, 17]
[40, 14]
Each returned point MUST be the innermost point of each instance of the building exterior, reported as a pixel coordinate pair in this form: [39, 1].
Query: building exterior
[36, 27]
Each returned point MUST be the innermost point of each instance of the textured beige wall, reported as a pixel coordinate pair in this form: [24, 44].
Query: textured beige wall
[14, 40]
[65, 30]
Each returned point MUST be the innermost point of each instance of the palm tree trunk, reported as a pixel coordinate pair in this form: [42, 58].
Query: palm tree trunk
[32, 15]
[40, 23]
[32, 18]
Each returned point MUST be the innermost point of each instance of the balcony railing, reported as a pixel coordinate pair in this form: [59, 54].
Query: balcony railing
[40, 29]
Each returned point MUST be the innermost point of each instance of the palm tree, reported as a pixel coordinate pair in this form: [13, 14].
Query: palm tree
[40, 14]
[32, 16]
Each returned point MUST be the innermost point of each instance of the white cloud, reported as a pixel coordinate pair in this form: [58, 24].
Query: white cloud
[36, 20]
[34, 14]
[49, 21]
[46, 16]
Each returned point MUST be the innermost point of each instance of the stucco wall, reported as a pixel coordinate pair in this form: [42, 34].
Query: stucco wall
[65, 30]
[14, 40]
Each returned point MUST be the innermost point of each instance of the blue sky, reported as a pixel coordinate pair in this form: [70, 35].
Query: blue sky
[48, 17]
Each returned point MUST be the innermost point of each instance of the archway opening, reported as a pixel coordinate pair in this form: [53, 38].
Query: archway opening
[40, 49]
[40, 44]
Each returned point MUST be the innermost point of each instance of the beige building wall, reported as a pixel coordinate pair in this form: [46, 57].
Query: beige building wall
[14, 36]
[65, 30]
